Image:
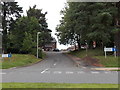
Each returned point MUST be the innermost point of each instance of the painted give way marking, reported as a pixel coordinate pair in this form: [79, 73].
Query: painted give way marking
[2, 73]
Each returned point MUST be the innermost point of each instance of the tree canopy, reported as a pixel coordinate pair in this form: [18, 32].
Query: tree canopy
[20, 32]
[11, 11]
[93, 21]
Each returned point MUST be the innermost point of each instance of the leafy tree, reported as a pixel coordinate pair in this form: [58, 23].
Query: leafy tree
[105, 22]
[74, 24]
[28, 43]
[22, 38]
[87, 21]
[45, 36]
[10, 12]
[37, 13]
[24, 26]
[117, 30]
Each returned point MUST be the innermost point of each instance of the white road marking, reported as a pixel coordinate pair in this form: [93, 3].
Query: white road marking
[54, 64]
[45, 70]
[95, 72]
[83, 67]
[69, 72]
[106, 72]
[2, 73]
[80, 72]
[57, 72]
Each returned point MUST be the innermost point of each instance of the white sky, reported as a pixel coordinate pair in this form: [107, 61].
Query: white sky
[52, 7]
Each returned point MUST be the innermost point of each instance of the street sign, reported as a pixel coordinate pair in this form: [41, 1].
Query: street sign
[110, 50]
[6, 55]
[114, 49]
[9, 55]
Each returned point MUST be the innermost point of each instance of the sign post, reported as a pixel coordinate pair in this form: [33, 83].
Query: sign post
[115, 53]
[105, 51]
[110, 50]
[7, 55]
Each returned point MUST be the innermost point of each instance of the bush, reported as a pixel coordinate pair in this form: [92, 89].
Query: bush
[13, 50]
[40, 55]
[34, 52]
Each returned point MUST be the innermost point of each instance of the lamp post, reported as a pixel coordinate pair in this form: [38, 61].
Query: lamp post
[37, 42]
[47, 30]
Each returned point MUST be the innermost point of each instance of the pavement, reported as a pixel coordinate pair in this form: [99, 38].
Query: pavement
[107, 69]
[59, 68]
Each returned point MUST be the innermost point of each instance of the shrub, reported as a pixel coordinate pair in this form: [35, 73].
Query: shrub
[34, 52]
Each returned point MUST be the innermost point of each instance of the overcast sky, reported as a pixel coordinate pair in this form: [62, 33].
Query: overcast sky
[53, 7]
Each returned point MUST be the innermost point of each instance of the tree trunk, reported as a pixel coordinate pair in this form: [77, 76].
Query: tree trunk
[78, 42]
[4, 26]
[78, 45]
[75, 47]
[117, 42]
[117, 34]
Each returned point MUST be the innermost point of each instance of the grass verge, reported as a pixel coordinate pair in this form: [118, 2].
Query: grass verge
[110, 61]
[18, 60]
[56, 85]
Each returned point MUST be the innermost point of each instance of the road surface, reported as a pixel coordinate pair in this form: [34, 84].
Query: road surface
[58, 68]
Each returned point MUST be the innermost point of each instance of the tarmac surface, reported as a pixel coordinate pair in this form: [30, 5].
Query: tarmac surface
[59, 68]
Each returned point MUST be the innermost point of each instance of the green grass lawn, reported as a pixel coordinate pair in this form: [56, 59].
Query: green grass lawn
[90, 52]
[110, 61]
[56, 85]
[18, 60]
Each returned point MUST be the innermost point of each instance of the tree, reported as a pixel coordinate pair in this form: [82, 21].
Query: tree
[28, 43]
[24, 27]
[87, 22]
[73, 24]
[23, 36]
[10, 12]
[37, 13]
[45, 36]
[117, 31]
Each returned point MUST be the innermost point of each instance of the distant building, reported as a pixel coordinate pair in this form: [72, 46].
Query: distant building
[52, 45]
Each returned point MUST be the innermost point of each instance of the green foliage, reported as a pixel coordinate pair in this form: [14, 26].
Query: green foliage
[28, 43]
[24, 34]
[45, 36]
[10, 13]
[37, 13]
[40, 53]
[87, 21]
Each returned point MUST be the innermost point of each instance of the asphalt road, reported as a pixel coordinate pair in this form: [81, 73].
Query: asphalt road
[58, 68]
